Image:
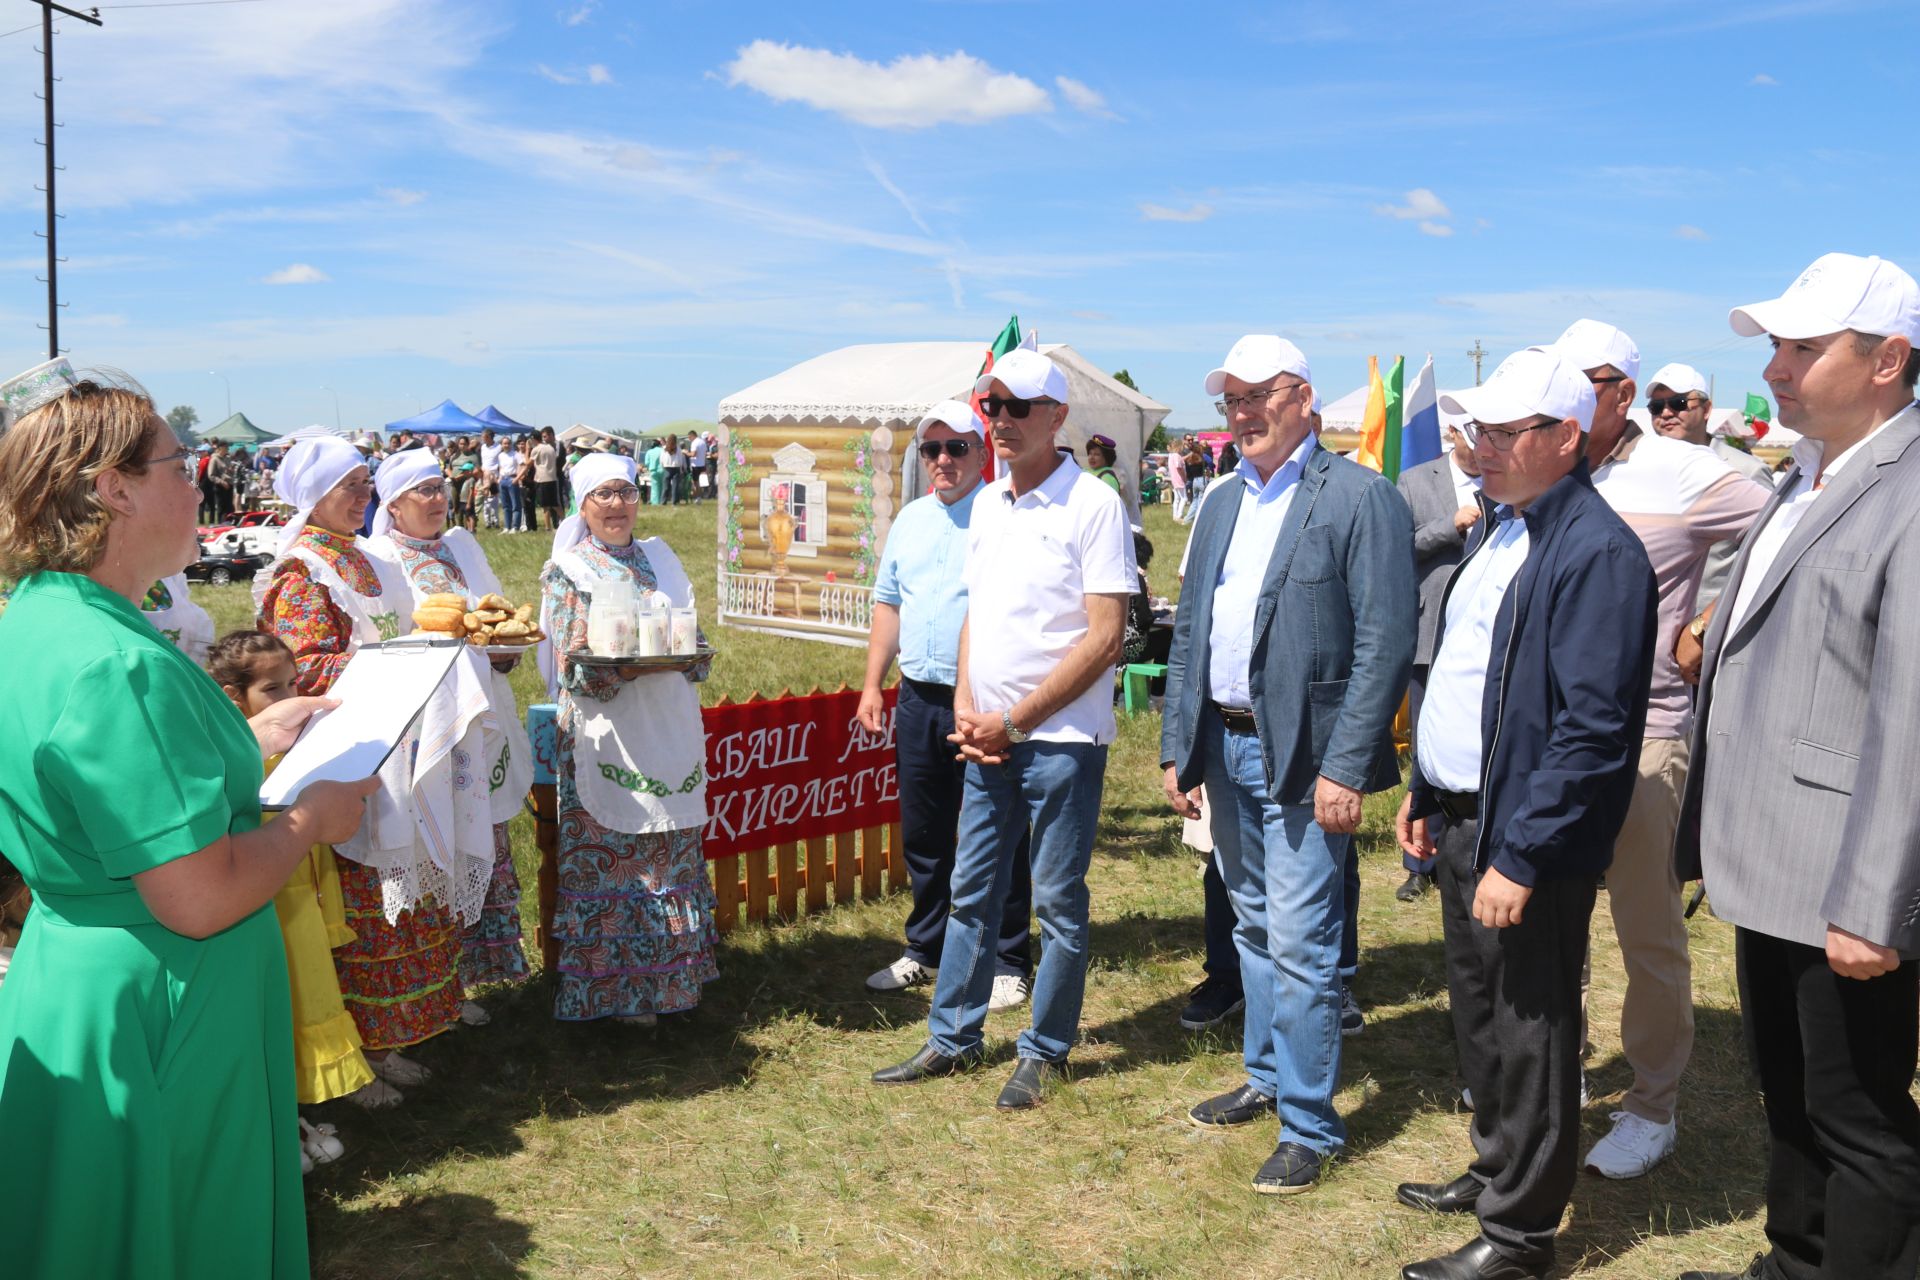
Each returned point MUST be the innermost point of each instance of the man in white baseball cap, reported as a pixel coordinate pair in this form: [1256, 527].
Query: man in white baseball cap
[1259, 358]
[1678, 403]
[1554, 606]
[919, 606]
[1799, 809]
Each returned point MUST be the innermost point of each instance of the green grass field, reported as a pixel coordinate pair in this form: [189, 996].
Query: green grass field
[744, 1140]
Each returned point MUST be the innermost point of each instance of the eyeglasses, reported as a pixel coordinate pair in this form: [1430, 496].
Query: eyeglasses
[617, 496]
[1504, 438]
[1227, 406]
[184, 458]
[1601, 382]
[1677, 404]
[438, 489]
[1013, 406]
[931, 449]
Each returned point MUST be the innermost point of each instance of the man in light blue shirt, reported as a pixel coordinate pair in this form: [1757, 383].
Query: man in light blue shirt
[919, 606]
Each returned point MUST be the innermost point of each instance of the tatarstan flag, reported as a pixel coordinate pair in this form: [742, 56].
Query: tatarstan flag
[1759, 415]
[1008, 339]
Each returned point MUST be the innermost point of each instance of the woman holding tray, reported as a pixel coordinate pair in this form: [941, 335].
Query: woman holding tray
[146, 1039]
[634, 910]
[410, 532]
[325, 597]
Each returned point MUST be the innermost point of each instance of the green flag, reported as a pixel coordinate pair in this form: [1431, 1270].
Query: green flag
[1390, 459]
[1758, 408]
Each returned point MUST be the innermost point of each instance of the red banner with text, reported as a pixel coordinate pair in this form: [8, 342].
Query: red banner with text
[790, 769]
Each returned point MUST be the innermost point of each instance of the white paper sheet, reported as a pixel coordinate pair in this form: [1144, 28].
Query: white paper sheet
[381, 692]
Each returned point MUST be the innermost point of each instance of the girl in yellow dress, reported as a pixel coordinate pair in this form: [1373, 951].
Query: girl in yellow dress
[256, 670]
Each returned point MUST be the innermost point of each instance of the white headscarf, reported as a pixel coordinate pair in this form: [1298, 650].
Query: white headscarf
[589, 474]
[402, 472]
[313, 468]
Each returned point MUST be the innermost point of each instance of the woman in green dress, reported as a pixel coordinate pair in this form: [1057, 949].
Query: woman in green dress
[146, 1039]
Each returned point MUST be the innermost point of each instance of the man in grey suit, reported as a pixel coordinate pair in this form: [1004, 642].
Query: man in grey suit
[1444, 496]
[1290, 656]
[1799, 810]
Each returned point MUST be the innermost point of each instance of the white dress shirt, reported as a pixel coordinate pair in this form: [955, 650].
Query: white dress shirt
[1236, 592]
[1466, 488]
[1448, 739]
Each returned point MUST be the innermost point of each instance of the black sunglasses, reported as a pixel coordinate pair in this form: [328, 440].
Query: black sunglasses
[1013, 406]
[1679, 404]
[931, 449]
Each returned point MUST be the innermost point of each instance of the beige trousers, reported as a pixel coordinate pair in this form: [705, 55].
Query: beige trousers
[1656, 1019]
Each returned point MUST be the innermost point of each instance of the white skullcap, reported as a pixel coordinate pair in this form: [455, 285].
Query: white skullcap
[589, 474]
[313, 468]
[404, 471]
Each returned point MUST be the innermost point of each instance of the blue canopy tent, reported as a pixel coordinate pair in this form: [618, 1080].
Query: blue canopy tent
[503, 425]
[444, 419]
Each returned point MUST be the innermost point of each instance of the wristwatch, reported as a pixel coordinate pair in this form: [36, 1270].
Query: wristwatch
[1015, 735]
[1698, 627]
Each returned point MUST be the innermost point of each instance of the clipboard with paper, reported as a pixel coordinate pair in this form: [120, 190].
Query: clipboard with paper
[381, 692]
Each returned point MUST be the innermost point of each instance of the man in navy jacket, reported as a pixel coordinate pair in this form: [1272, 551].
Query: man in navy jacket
[1290, 656]
[1528, 749]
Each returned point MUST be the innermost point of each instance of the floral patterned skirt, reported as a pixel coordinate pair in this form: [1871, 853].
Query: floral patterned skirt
[633, 915]
[401, 982]
[490, 947]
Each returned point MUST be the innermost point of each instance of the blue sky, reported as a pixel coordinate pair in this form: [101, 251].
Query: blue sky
[622, 212]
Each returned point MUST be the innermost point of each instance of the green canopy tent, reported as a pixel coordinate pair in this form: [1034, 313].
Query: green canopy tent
[235, 430]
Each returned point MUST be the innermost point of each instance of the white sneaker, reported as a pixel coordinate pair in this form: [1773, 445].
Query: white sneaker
[1009, 990]
[473, 1015]
[637, 1019]
[901, 974]
[320, 1143]
[1635, 1146]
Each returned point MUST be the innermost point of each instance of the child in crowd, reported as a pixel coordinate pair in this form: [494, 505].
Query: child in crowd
[256, 670]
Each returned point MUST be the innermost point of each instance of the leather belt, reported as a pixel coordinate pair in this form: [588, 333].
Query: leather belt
[1458, 806]
[1237, 719]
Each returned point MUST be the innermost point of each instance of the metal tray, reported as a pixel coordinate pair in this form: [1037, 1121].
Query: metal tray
[662, 662]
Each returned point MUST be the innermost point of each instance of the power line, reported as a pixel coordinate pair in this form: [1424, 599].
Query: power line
[177, 4]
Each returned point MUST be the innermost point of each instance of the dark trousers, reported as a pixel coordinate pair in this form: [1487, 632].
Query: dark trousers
[1835, 1057]
[1515, 994]
[931, 785]
[1416, 694]
[1222, 962]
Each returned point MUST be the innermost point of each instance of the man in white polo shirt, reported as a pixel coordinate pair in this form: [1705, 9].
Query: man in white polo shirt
[1049, 569]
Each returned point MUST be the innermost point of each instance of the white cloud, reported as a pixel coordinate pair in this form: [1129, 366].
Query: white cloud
[1421, 204]
[598, 74]
[579, 13]
[594, 74]
[558, 77]
[402, 196]
[298, 273]
[1195, 212]
[1762, 78]
[1084, 98]
[1690, 233]
[1435, 229]
[911, 92]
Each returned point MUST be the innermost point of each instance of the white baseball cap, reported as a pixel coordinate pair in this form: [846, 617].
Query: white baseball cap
[1592, 343]
[1457, 419]
[957, 414]
[1535, 381]
[1683, 378]
[1316, 399]
[1257, 357]
[1027, 374]
[1839, 291]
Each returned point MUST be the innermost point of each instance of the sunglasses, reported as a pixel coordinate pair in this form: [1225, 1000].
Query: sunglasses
[931, 449]
[1678, 404]
[1013, 406]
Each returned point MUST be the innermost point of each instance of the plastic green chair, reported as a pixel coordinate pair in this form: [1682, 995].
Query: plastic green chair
[1136, 691]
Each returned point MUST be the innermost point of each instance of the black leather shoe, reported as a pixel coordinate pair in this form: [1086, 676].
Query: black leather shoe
[1458, 1196]
[1476, 1261]
[1228, 1109]
[1212, 1003]
[1291, 1169]
[1413, 886]
[1027, 1086]
[927, 1063]
[1756, 1270]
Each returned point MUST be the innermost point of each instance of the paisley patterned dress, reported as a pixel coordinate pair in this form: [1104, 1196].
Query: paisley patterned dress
[491, 949]
[634, 913]
[400, 981]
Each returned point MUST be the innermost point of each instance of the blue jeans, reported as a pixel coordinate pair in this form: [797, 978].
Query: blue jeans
[1051, 791]
[1280, 866]
[511, 514]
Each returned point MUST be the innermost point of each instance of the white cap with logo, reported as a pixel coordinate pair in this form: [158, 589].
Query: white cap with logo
[1592, 343]
[1839, 291]
[1683, 378]
[1027, 374]
[957, 414]
[1258, 357]
[1530, 383]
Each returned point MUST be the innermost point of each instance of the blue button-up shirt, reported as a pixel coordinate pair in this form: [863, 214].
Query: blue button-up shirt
[1236, 594]
[922, 574]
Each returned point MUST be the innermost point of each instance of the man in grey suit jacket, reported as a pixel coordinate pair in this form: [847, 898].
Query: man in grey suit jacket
[1290, 656]
[1445, 498]
[1799, 810]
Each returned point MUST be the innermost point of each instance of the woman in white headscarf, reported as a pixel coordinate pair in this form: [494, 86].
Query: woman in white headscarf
[325, 597]
[410, 531]
[634, 909]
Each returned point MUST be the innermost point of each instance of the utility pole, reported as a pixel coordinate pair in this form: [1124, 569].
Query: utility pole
[47, 8]
[1476, 355]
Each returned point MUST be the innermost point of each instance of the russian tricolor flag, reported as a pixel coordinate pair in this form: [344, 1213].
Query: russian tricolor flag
[1420, 435]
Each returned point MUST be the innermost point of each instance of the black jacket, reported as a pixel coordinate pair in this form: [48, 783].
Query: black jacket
[1565, 706]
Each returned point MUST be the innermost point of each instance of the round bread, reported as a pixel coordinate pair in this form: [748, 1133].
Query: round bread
[445, 621]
